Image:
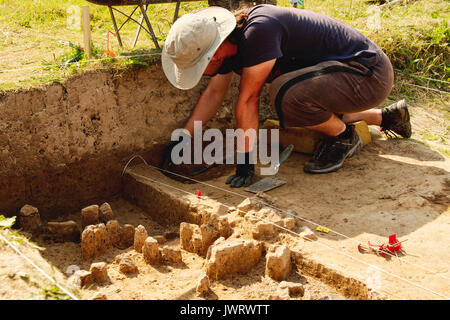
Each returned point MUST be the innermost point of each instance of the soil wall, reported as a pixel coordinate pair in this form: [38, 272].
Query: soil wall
[63, 146]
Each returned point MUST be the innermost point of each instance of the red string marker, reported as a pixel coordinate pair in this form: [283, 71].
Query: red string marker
[199, 193]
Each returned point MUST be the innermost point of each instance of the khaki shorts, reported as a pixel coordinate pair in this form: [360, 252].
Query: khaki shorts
[309, 96]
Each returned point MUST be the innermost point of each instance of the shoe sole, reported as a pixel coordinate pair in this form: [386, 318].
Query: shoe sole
[403, 104]
[407, 118]
[353, 151]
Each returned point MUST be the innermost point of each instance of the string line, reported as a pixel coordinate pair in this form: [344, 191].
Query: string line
[281, 210]
[37, 268]
[297, 234]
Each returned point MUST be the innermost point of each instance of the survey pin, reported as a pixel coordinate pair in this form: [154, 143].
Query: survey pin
[199, 193]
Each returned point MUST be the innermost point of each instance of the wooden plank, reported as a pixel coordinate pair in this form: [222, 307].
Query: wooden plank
[86, 31]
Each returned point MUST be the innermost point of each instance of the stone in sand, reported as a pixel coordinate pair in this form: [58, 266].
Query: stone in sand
[83, 278]
[190, 237]
[94, 241]
[113, 228]
[202, 285]
[150, 251]
[140, 234]
[99, 296]
[89, 216]
[99, 272]
[127, 266]
[278, 263]
[29, 218]
[307, 234]
[66, 231]
[295, 289]
[126, 236]
[234, 256]
[105, 213]
[263, 230]
[171, 255]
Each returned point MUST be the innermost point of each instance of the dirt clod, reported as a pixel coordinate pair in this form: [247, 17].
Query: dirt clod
[99, 296]
[66, 231]
[89, 216]
[99, 272]
[247, 205]
[190, 237]
[203, 285]
[113, 228]
[280, 294]
[307, 234]
[234, 256]
[140, 235]
[105, 213]
[83, 278]
[127, 266]
[94, 241]
[150, 251]
[171, 255]
[29, 219]
[160, 239]
[208, 235]
[295, 289]
[289, 223]
[263, 230]
[126, 236]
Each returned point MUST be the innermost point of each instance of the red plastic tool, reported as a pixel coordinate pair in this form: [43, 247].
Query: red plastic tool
[394, 245]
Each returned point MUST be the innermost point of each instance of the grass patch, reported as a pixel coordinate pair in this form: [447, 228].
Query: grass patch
[54, 293]
[414, 34]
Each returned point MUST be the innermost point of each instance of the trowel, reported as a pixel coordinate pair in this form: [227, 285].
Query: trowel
[269, 183]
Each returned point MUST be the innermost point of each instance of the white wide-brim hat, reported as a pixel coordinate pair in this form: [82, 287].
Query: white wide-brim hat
[192, 42]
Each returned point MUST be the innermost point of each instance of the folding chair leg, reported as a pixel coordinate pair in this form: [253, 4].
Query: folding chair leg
[177, 8]
[115, 25]
[155, 41]
[138, 31]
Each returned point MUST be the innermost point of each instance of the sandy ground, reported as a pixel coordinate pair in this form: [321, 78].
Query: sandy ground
[394, 186]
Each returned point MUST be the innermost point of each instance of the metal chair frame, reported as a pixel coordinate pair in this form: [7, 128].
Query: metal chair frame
[144, 17]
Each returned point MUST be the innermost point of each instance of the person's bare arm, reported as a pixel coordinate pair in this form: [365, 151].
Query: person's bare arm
[247, 107]
[210, 100]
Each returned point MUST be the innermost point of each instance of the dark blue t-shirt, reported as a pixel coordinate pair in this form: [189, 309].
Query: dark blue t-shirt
[297, 39]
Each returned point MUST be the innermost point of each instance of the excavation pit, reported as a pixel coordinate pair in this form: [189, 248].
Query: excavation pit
[64, 147]
[175, 274]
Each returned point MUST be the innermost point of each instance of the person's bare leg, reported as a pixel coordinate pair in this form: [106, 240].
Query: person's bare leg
[332, 127]
[371, 117]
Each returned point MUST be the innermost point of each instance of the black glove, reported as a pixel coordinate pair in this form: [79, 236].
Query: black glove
[166, 163]
[244, 174]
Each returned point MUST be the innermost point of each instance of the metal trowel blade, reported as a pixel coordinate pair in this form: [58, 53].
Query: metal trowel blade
[265, 184]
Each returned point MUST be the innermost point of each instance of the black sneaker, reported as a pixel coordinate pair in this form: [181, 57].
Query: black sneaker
[331, 152]
[396, 120]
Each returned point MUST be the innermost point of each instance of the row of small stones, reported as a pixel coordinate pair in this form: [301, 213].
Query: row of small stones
[154, 255]
[97, 237]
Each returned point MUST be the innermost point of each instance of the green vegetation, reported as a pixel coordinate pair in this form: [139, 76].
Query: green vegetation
[54, 293]
[7, 222]
[414, 34]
